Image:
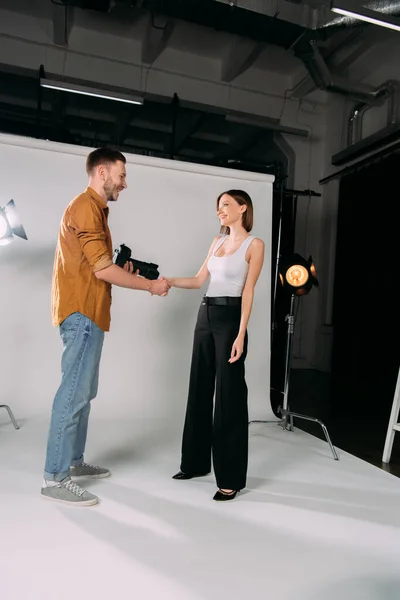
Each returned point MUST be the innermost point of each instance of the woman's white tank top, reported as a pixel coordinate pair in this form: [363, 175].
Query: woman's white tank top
[228, 273]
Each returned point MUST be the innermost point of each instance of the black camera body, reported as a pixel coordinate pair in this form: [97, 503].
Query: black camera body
[147, 270]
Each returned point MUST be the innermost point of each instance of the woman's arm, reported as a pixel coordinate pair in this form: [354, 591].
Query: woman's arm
[196, 282]
[256, 260]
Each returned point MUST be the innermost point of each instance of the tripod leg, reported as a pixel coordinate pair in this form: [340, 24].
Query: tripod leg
[291, 423]
[10, 414]
[287, 419]
[394, 416]
[256, 421]
[324, 429]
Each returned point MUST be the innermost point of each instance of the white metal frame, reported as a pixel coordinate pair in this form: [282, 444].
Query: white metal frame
[394, 425]
[10, 414]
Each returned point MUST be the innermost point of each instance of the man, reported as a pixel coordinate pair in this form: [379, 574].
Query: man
[81, 301]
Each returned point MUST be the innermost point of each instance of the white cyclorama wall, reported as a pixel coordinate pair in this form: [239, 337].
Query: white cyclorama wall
[167, 216]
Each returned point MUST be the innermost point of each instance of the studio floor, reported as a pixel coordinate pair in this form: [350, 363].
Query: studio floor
[306, 528]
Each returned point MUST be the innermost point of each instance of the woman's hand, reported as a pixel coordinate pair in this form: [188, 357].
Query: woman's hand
[237, 349]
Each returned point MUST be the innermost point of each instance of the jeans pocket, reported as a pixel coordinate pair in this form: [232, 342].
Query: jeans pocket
[69, 327]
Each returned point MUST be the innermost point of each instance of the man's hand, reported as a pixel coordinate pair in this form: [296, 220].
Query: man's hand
[159, 287]
[128, 267]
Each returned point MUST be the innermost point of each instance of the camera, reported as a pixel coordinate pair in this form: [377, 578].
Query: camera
[147, 270]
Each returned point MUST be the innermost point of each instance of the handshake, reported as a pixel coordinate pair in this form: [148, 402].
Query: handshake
[159, 286]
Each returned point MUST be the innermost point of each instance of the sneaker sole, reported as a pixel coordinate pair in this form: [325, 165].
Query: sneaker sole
[82, 503]
[102, 476]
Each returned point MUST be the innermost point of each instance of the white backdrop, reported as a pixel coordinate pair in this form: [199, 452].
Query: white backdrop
[167, 216]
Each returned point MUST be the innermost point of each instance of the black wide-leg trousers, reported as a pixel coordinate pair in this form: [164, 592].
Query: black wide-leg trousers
[224, 434]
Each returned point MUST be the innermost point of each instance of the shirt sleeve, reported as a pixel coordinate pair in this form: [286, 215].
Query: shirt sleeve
[87, 224]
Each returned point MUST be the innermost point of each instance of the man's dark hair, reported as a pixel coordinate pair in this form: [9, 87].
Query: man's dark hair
[103, 156]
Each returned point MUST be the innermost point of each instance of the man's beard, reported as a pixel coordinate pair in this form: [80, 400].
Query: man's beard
[109, 189]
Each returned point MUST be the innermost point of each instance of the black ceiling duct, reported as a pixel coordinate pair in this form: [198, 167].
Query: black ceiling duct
[209, 13]
[98, 5]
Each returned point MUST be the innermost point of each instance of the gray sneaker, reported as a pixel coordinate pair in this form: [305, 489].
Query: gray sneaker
[70, 493]
[85, 470]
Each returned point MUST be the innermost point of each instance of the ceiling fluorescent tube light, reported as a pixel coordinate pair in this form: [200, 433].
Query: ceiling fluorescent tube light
[73, 88]
[368, 16]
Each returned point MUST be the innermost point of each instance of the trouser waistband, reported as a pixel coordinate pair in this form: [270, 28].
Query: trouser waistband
[222, 300]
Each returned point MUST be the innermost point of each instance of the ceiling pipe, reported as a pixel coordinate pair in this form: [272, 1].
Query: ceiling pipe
[390, 91]
[315, 63]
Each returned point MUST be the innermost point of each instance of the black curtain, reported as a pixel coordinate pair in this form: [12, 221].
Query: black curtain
[366, 349]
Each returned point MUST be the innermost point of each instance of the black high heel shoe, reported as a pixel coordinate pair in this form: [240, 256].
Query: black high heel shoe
[181, 475]
[223, 496]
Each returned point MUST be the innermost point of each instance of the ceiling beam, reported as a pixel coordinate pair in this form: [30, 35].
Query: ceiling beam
[187, 124]
[156, 37]
[239, 57]
[62, 24]
[58, 106]
[123, 121]
[372, 56]
[241, 141]
[303, 88]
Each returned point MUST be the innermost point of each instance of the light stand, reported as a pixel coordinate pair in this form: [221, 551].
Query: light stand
[300, 276]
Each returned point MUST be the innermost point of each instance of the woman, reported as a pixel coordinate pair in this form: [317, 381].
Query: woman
[234, 262]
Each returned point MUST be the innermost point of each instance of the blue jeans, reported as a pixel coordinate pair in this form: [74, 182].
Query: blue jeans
[82, 346]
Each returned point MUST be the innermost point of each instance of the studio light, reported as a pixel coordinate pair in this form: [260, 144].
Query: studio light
[114, 94]
[298, 275]
[10, 224]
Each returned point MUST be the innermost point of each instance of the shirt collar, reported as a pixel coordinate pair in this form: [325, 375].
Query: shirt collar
[98, 199]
